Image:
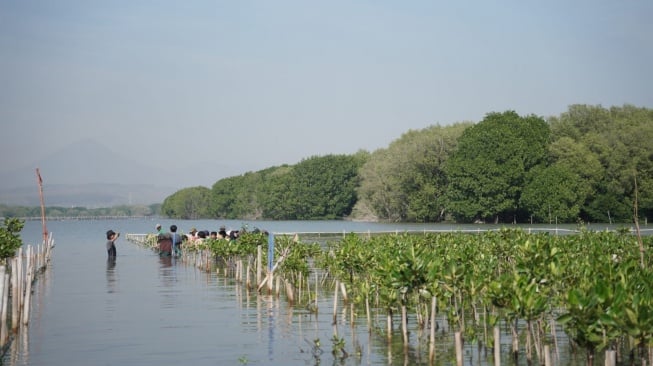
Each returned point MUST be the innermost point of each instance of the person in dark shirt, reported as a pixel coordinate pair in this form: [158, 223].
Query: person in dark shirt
[112, 236]
[176, 240]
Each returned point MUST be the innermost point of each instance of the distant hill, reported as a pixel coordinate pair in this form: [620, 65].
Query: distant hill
[86, 195]
[86, 174]
[85, 161]
[89, 174]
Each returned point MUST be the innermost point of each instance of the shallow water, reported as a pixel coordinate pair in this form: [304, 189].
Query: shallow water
[145, 310]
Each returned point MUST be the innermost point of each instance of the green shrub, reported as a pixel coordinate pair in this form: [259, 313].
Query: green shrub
[10, 241]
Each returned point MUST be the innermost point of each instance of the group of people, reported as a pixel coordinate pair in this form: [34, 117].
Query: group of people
[170, 243]
[196, 235]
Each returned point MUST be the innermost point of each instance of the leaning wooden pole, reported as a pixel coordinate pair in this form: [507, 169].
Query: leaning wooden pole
[639, 234]
[40, 182]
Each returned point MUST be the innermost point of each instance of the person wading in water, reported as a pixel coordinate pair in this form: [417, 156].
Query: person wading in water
[112, 236]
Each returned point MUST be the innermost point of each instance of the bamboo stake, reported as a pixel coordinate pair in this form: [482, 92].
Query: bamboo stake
[459, 348]
[389, 325]
[404, 324]
[28, 285]
[335, 303]
[547, 356]
[40, 183]
[271, 273]
[515, 339]
[555, 338]
[639, 234]
[367, 313]
[248, 283]
[316, 284]
[237, 274]
[2, 303]
[351, 314]
[259, 258]
[434, 301]
[299, 288]
[497, 345]
[290, 292]
[610, 357]
[345, 298]
[529, 342]
[5, 304]
[15, 293]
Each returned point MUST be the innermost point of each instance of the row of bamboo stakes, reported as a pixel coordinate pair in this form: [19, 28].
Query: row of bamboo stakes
[204, 261]
[17, 275]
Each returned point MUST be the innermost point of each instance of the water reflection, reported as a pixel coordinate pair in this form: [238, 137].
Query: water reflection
[111, 275]
[168, 277]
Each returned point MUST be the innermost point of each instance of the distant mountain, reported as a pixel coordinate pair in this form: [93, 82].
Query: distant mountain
[86, 195]
[87, 174]
[85, 161]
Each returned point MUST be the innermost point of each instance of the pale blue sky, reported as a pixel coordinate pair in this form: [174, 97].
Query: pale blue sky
[263, 83]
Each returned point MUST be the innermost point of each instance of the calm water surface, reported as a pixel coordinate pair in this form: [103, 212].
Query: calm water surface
[145, 310]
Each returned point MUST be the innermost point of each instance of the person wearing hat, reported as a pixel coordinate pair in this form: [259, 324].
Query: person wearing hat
[192, 235]
[112, 236]
[159, 229]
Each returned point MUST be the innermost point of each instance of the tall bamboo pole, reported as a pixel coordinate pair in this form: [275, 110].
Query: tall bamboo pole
[639, 234]
[40, 182]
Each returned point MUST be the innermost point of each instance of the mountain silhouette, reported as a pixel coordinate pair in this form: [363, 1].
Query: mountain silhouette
[85, 161]
[86, 173]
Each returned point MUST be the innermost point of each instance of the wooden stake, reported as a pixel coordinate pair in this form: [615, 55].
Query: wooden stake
[345, 298]
[248, 283]
[459, 348]
[497, 345]
[335, 303]
[28, 285]
[40, 183]
[404, 324]
[547, 356]
[259, 258]
[3, 304]
[290, 293]
[434, 301]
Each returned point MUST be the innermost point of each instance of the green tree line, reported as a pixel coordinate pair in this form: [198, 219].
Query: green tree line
[80, 212]
[590, 164]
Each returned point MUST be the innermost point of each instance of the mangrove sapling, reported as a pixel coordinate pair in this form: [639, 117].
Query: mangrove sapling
[635, 293]
[338, 348]
[590, 315]
[407, 274]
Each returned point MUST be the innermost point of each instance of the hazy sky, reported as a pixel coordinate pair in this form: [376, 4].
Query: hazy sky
[263, 83]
